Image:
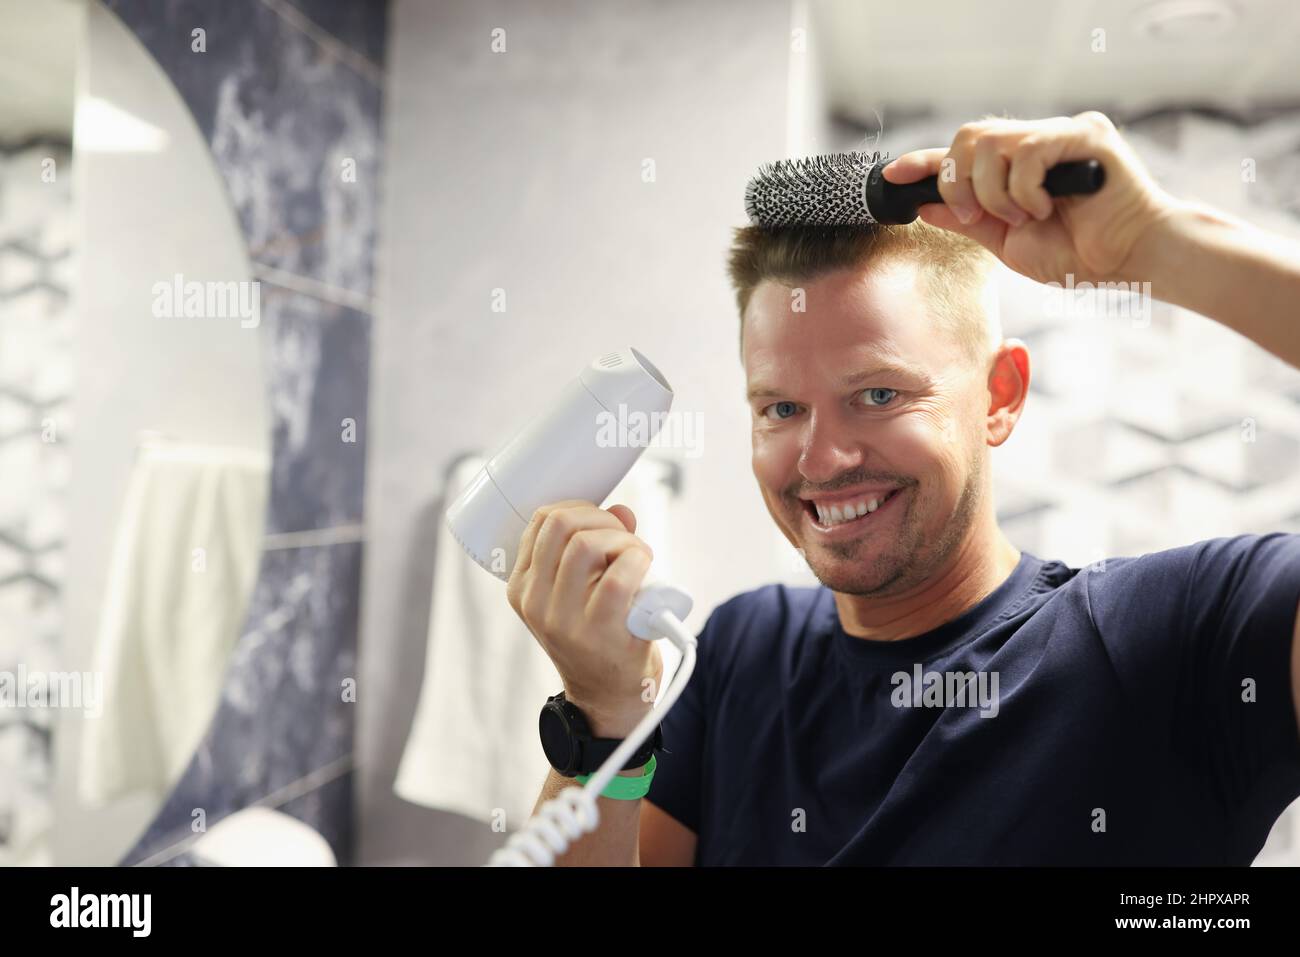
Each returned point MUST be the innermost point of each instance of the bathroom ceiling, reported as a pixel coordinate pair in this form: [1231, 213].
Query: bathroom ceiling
[999, 55]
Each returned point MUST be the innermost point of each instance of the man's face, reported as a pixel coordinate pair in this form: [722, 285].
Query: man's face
[864, 394]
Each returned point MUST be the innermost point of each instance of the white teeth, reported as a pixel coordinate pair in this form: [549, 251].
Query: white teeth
[836, 514]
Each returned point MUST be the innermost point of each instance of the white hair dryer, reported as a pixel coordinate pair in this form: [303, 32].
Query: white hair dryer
[566, 453]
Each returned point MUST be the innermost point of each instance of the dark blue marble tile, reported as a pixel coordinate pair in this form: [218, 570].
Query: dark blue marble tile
[233, 30]
[282, 715]
[318, 359]
[282, 112]
[361, 24]
[294, 130]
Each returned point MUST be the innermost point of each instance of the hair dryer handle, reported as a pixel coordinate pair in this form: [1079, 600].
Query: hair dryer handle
[653, 597]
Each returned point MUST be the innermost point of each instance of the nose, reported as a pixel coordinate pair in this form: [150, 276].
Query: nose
[829, 448]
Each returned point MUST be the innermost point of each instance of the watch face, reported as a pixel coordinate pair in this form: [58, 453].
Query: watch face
[556, 741]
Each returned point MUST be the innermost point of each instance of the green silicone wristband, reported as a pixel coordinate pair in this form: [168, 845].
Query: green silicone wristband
[625, 788]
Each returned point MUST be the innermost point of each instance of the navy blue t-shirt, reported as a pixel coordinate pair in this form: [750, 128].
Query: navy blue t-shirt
[1134, 712]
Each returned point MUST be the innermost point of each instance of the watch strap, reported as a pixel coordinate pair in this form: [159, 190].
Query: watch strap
[624, 788]
[596, 751]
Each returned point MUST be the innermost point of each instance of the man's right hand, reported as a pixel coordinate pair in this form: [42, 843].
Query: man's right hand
[578, 569]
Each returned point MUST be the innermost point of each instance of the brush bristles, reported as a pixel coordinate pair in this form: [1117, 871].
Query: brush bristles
[822, 190]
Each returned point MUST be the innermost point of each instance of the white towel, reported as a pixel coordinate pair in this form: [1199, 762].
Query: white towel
[184, 561]
[473, 747]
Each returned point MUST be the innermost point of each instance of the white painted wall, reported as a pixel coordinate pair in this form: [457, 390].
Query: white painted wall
[522, 171]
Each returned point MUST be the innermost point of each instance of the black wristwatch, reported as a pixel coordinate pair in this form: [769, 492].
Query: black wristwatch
[569, 746]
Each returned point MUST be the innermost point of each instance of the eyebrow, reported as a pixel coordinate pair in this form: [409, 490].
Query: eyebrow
[762, 391]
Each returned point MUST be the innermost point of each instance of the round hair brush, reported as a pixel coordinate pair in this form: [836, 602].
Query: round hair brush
[849, 189]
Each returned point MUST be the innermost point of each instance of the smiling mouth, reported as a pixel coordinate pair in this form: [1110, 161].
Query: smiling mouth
[855, 513]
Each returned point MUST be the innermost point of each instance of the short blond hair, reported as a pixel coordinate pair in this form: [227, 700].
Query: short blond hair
[955, 270]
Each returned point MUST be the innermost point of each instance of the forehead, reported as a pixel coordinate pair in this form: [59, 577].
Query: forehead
[850, 317]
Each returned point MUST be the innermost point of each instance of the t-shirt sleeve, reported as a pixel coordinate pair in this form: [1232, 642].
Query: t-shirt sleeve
[679, 768]
[1201, 638]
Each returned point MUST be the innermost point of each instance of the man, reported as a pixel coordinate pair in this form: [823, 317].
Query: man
[945, 698]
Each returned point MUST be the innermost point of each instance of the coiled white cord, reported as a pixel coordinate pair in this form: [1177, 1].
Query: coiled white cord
[574, 812]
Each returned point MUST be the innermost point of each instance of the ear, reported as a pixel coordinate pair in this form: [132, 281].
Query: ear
[1008, 387]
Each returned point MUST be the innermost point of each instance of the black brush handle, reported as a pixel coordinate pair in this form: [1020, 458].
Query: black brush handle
[891, 203]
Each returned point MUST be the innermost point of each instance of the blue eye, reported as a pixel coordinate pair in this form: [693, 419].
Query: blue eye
[872, 393]
[782, 405]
